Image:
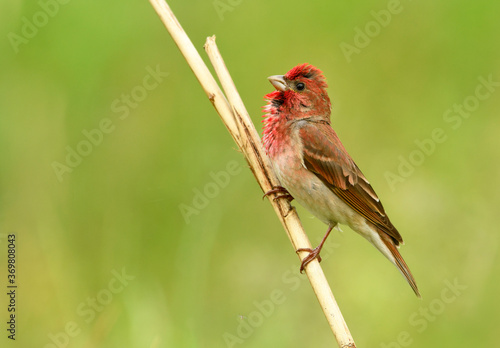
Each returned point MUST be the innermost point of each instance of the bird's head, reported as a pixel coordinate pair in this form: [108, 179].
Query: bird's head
[300, 93]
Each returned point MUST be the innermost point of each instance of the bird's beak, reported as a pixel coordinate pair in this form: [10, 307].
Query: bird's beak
[278, 81]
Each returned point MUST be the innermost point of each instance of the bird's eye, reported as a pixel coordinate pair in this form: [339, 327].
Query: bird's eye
[300, 86]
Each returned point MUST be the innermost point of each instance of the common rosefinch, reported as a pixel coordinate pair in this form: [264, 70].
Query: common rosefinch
[314, 167]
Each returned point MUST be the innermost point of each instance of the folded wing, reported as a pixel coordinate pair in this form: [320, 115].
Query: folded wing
[325, 156]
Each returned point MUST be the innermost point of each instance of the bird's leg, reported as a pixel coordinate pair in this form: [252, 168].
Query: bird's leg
[283, 193]
[314, 253]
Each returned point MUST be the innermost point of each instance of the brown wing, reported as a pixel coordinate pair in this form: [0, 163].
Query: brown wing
[325, 156]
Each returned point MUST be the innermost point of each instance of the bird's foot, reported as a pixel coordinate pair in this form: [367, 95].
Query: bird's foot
[280, 192]
[313, 254]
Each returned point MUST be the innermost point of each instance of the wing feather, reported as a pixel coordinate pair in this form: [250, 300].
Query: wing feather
[325, 156]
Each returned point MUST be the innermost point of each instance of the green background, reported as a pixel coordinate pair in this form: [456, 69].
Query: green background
[209, 278]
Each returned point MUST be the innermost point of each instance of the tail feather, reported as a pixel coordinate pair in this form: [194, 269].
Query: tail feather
[399, 262]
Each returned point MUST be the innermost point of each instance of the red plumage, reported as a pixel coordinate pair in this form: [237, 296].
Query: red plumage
[315, 168]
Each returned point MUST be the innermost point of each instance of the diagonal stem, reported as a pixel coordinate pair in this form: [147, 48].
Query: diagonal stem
[241, 128]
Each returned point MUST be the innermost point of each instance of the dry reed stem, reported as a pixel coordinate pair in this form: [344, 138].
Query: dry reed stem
[241, 128]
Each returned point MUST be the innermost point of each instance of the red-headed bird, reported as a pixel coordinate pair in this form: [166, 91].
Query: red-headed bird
[315, 168]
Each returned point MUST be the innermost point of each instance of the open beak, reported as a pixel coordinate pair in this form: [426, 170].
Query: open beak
[278, 81]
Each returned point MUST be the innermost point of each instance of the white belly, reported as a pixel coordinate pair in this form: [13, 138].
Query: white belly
[316, 197]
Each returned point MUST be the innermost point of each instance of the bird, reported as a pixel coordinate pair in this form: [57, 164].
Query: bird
[314, 168]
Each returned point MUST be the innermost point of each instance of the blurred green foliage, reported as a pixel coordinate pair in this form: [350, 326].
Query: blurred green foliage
[210, 276]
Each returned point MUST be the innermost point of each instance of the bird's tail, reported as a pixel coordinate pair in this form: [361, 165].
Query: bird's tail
[397, 259]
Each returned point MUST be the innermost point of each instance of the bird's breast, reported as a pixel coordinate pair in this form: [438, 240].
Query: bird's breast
[307, 188]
